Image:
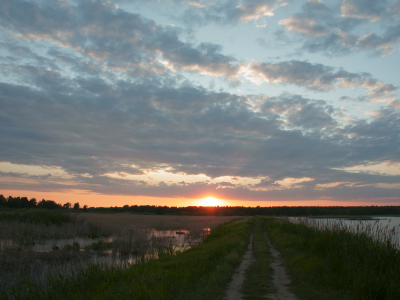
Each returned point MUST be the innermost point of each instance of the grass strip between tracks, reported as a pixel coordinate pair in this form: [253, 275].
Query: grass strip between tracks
[202, 272]
[258, 277]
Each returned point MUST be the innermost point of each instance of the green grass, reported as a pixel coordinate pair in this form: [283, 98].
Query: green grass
[328, 264]
[259, 275]
[202, 272]
[36, 216]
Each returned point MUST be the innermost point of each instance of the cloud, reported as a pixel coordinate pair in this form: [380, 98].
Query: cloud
[229, 12]
[136, 128]
[121, 40]
[305, 26]
[316, 77]
[100, 37]
[101, 94]
[373, 11]
[337, 30]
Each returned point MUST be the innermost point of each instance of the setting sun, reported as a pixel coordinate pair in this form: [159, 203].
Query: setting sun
[210, 201]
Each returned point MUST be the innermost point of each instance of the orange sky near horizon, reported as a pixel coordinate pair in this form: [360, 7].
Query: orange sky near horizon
[101, 200]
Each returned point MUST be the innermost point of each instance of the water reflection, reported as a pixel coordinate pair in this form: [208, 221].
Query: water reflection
[65, 256]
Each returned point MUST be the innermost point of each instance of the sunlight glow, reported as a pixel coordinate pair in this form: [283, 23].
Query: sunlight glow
[210, 201]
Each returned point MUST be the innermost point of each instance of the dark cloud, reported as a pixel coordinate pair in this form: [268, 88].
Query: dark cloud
[130, 129]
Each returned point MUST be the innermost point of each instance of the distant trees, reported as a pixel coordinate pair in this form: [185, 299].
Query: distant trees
[18, 202]
[23, 202]
[32, 202]
[48, 204]
[251, 211]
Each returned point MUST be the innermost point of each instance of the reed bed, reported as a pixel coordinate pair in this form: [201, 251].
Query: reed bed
[158, 222]
[383, 234]
[24, 234]
[199, 273]
[118, 240]
[338, 261]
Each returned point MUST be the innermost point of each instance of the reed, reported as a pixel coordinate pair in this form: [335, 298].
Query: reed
[118, 240]
[37, 216]
[202, 272]
[333, 258]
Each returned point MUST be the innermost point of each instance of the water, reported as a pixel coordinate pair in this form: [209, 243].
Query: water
[382, 228]
[41, 259]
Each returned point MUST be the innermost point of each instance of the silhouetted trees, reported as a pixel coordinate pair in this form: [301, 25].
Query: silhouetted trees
[17, 202]
[251, 211]
[23, 202]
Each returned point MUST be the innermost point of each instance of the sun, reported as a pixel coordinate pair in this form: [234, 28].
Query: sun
[210, 201]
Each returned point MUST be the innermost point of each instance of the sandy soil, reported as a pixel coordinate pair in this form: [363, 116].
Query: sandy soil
[281, 280]
[232, 292]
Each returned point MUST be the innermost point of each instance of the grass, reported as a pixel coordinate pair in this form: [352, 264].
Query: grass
[258, 277]
[336, 262]
[202, 272]
[36, 216]
[158, 222]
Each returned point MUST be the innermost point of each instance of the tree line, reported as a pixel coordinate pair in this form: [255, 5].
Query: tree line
[23, 202]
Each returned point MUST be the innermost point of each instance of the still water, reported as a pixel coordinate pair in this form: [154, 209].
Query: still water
[46, 256]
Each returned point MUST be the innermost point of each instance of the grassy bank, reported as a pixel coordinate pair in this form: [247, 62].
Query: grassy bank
[258, 282]
[202, 272]
[336, 264]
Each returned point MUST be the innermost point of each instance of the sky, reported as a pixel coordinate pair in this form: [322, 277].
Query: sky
[252, 102]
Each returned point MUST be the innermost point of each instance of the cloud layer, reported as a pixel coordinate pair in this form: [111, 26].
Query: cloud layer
[105, 96]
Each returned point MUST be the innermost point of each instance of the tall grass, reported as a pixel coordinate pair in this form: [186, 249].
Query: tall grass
[360, 263]
[17, 235]
[37, 216]
[202, 272]
[383, 234]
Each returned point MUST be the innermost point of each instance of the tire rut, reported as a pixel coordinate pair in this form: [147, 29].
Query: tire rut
[281, 280]
[233, 291]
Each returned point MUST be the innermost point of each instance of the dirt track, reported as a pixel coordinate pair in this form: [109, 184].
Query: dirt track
[232, 292]
[280, 281]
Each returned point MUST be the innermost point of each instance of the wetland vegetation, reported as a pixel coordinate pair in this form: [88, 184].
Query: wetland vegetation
[36, 244]
[338, 261]
[201, 272]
